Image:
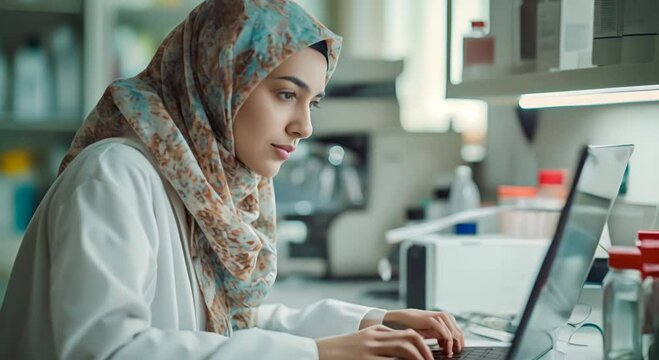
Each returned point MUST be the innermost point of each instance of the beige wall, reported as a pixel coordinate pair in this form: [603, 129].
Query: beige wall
[561, 132]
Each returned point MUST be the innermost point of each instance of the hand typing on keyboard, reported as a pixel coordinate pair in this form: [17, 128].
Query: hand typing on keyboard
[431, 325]
[402, 336]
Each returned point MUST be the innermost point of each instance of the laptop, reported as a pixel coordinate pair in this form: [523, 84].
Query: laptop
[568, 259]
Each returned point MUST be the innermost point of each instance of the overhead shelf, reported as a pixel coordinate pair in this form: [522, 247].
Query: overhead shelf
[496, 84]
[612, 76]
[55, 124]
[50, 7]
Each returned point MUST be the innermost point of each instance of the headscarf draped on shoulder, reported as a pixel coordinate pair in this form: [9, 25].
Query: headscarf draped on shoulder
[182, 107]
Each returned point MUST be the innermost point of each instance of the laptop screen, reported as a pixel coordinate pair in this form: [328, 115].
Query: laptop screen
[570, 255]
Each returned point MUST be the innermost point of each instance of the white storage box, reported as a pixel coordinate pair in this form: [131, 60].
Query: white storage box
[484, 273]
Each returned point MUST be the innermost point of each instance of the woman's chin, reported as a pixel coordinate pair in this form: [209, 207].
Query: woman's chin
[268, 171]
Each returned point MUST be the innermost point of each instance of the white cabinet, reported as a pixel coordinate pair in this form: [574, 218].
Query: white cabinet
[112, 39]
[538, 46]
[67, 51]
[105, 35]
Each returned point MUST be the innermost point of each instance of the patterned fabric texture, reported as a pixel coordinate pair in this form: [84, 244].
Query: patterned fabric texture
[182, 107]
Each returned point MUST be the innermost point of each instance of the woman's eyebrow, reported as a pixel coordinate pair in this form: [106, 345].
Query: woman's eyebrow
[297, 81]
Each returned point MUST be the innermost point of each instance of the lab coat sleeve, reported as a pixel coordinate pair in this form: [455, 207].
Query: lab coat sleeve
[103, 245]
[321, 319]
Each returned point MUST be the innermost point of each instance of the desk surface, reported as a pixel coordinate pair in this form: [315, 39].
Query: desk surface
[298, 292]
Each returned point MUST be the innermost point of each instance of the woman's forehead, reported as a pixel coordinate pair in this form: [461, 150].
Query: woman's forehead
[307, 63]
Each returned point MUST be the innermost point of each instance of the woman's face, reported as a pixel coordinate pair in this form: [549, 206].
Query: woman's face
[276, 115]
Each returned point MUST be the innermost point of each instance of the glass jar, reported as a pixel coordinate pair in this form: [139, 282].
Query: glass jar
[622, 305]
[650, 320]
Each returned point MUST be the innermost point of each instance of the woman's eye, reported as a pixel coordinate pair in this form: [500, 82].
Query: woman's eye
[286, 95]
[314, 105]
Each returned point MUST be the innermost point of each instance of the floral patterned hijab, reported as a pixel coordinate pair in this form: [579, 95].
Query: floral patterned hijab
[182, 107]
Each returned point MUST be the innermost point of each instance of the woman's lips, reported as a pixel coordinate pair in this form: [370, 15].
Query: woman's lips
[283, 151]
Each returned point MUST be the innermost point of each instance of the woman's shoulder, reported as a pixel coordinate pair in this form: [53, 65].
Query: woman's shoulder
[114, 155]
[116, 161]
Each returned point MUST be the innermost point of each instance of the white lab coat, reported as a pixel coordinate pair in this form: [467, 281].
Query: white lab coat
[104, 272]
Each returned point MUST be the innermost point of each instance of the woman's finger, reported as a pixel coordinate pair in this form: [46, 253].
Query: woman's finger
[458, 335]
[404, 349]
[445, 338]
[417, 340]
[397, 338]
[383, 328]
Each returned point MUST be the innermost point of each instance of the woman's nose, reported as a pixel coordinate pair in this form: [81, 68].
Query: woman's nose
[301, 126]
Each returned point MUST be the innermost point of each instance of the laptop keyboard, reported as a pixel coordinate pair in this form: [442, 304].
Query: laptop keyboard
[489, 353]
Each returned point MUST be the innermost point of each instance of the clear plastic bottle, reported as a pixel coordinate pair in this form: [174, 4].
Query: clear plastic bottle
[552, 184]
[464, 195]
[650, 317]
[651, 313]
[517, 223]
[622, 309]
[66, 56]
[552, 193]
[437, 207]
[32, 82]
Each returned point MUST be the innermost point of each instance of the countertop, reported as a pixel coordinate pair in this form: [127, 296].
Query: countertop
[298, 292]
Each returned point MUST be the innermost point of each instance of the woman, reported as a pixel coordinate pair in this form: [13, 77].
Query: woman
[157, 239]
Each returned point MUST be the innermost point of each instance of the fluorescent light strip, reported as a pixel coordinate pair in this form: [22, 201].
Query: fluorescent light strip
[590, 97]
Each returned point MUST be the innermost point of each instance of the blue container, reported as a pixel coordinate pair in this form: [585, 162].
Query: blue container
[25, 199]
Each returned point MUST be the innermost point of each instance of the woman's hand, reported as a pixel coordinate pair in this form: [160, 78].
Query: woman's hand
[429, 324]
[375, 342]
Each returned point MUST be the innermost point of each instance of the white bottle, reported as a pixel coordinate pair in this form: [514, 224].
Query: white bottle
[66, 56]
[464, 196]
[32, 82]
